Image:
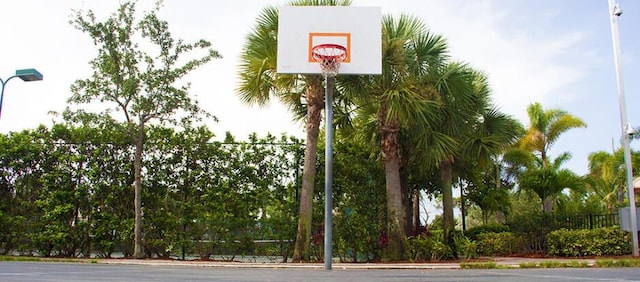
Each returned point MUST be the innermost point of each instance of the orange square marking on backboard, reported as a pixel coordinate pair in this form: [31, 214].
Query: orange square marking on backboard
[346, 35]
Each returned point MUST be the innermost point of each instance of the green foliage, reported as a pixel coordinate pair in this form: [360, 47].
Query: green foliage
[22, 165]
[533, 225]
[427, 248]
[528, 265]
[65, 188]
[606, 180]
[551, 264]
[549, 181]
[497, 244]
[488, 188]
[138, 83]
[473, 232]
[618, 262]
[466, 248]
[541, 173]
[555, 264]
[359, 198]
[478, 265]
[588, 242]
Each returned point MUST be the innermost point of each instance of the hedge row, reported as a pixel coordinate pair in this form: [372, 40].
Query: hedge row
[588, 242]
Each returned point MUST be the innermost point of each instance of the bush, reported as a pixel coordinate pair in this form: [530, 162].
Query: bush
[427, 247]
[588, 242]
[466, 248]
[496, 244]
[356, 238]
[473, 232]
[533, 226]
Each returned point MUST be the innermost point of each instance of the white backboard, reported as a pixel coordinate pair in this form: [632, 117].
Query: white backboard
[358, 29]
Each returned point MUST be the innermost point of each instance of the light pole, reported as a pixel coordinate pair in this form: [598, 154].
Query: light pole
[614, 13]
[24, 74]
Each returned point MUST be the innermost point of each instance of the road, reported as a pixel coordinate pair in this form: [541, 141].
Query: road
[48, 271]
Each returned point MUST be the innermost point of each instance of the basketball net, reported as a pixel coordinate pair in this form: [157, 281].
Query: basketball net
[329, 56]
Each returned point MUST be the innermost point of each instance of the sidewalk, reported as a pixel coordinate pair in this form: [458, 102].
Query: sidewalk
[504, 261]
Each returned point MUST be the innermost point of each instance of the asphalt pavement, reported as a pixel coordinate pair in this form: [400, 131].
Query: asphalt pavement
[149, 270]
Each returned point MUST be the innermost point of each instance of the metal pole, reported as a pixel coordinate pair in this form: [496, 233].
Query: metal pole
[2, 93]
[614, 13]
[4, 83]
[328, 171]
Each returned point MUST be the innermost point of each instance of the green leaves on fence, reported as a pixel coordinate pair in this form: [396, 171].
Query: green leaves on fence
[66, 191]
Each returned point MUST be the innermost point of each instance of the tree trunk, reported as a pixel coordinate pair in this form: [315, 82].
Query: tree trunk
[138, 249]
[396, 214]
[407, 199]
[547, 204]
[447, 200]
[500, 217]
[500, 214]
[315, 105]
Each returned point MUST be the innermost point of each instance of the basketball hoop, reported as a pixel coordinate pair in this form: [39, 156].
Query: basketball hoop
[330, 56]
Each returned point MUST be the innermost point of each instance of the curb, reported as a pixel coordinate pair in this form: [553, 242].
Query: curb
[507, 262]
[314, 266]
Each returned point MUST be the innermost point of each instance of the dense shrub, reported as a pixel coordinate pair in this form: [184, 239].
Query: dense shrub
[465, 247]
[503, 243]
[431, 246]
[473, 232]
[427, 247]
[588, 242]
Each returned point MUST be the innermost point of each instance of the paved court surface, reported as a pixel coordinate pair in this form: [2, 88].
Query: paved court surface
[48, 271]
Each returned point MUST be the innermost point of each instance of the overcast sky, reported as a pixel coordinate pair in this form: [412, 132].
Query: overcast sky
[558, 53]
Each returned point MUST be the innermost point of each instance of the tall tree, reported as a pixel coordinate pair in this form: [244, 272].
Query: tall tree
[478, 131]
[135, 83]
[259, 82]
[395, 100]
[607, 176]
[489, 191]
[545, 127]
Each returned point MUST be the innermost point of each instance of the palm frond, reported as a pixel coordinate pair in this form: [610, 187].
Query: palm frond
[320, 3]
[561, 125]
[258, 59]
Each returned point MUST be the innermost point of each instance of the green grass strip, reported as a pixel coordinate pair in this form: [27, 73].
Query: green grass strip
[555, 264]
[478, 265]
[41, 259]
[618, 262]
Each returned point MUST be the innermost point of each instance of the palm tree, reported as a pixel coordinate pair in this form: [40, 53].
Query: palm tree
[260, 82]
[548, 181]
[395, 100]
[478, 131]
[603, 180]
[607, 176]
[545, 127]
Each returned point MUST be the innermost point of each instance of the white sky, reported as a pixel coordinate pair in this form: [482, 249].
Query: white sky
[556, 52]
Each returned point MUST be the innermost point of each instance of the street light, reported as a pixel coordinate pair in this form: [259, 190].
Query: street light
[614, 13]
[24, 74]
